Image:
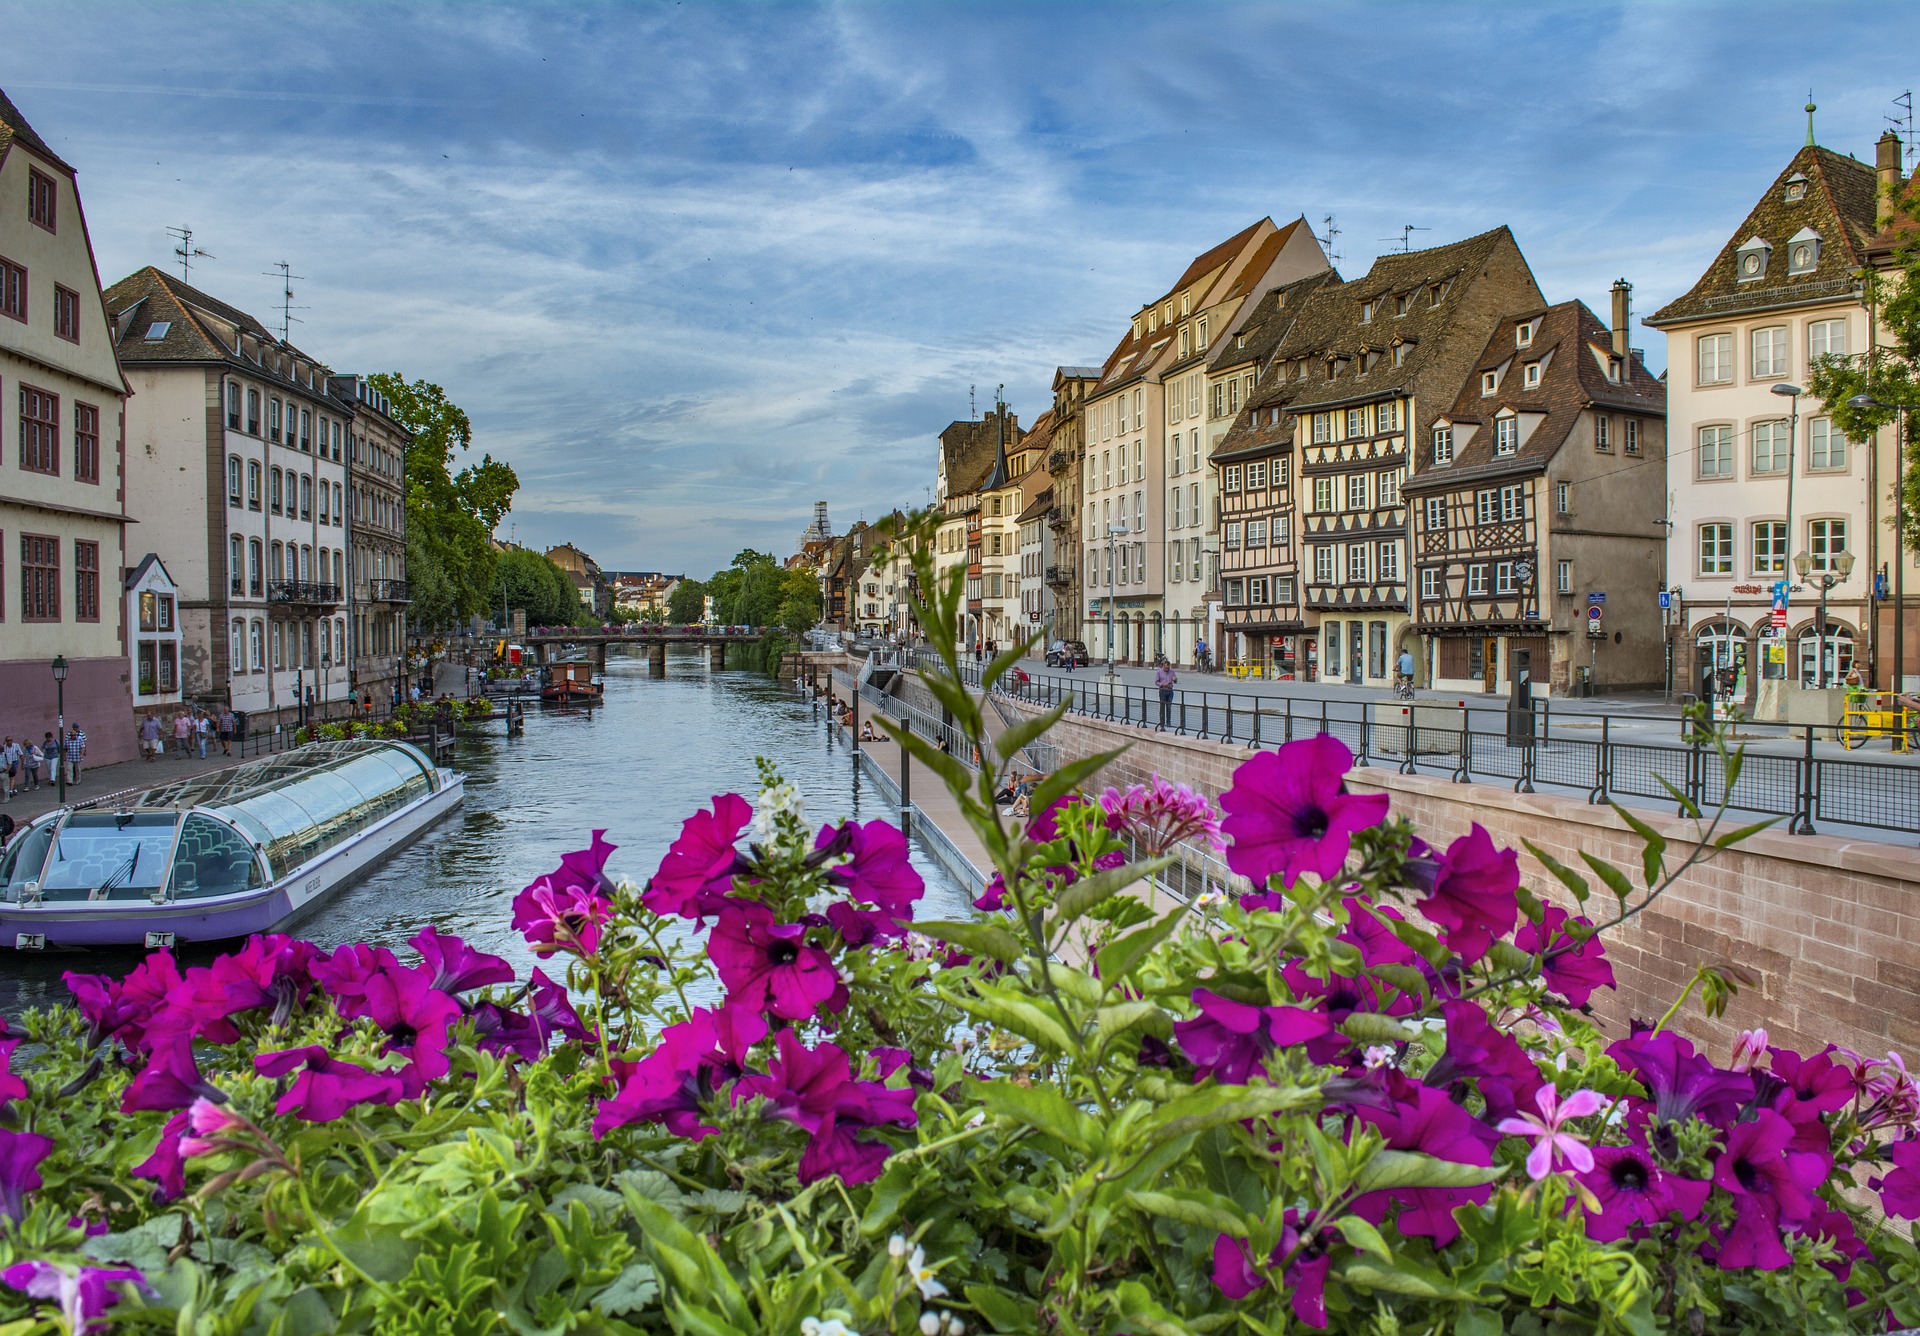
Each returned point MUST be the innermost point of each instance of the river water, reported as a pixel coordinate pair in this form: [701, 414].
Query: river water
[656, 750]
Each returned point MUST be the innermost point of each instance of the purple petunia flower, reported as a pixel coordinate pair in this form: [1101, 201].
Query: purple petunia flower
[768, 966]
[1472, 897]
[1508, 1079]
[696, 876]
[83, 1293]
[814, 1089]
[1288, 812]
[1899, 1189]
[877, 873]
[170, 1080]
[1634, 1192]
[327, 1087]
[122, 1008]
[1305, 1277]
[1809, 1089]
[1424, 1119]
[418, 1020]
[1682, 1083]
[20, 1157]
[1571, 969]
[1772, 1186]
[1230, 1040]
[456, 966]
[346, 975]
[563, 910]
[165, 1165]
[271, 970]
[499, 1029]
[673, 1084]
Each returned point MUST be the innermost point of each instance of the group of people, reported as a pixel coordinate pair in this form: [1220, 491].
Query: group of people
[1020, 795]
[22, 764]
[192, 730]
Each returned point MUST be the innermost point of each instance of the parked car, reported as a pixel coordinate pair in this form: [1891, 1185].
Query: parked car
[1068, 654]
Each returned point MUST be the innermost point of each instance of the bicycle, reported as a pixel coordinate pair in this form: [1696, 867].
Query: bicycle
[1403, 687]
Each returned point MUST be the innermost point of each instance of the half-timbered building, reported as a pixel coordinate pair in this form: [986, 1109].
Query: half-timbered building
[1539, 498]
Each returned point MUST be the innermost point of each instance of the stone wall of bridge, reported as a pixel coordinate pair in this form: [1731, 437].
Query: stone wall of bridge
[1830, 926]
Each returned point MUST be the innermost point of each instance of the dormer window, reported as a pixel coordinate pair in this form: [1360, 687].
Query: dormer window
[1402, 303]
[1443, 443]
[1203, 333]
[1366, 312]
[1523, 334]
[1532, 376]
[1615, 366]
[1803, 251]
[1489, 383]
[1506, 434]
[1796, 188]
[1750, 261]
[1400, 354]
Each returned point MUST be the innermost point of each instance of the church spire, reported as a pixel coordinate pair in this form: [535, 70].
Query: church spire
[1810, 110]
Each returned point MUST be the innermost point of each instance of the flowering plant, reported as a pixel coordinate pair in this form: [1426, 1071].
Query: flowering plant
[755, 1093]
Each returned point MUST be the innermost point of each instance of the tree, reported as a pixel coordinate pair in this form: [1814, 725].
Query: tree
[526, 579]
[687, 603]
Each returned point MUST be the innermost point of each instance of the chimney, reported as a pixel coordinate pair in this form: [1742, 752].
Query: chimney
[1886, 170]
[1622, 306]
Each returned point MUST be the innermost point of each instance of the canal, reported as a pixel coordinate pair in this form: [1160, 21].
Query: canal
[656, 749]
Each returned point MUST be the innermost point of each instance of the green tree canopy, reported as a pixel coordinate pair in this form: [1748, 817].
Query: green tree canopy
[526, 579]
[687, 603]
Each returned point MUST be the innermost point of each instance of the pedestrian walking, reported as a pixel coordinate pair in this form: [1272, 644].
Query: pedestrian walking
[202, 731]
[32, 761]
[149, 739]
[226, 731]
[182, 730]
[1164, 679]
[76, 753]
[10, 754]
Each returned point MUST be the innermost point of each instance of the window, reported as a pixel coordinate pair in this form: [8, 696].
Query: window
[306, 497]
[1257, 590]
[1322, 428]
[233, 406]
[1513, 502]
[1716, 452]
[1826, 338]
[1220, 400]
[1770, 445]
[1633, 435]
[1827, 448]
[1436, 513]
[1256, 533]
[1430, 583]
[1388, 488]
[233, 480]
[995, 538]
[273, 490]
[273, 420]
[1106, 464]
[1283, 589]
[66, 314]
[1770, 547]
[39, 578]
[13, 290]
[1139, 510]
[1193, 558]
[86, 443]
[1826, 539]
[1803, 251]
[1387, 415]
[1531, 380]
[1323, 564]
[306, 429]
[278, 569]
[1256, 475]
[1230, 535]
[1356, 491]
[1282, 469]
[1139, 459]
[237, 646]
[41, 200]
[1356, 422]
[1236, 593]
[236, 568]
[1503, 577]
[86, 581]
[1523, 334]
[1716, 549]
[1477, 579]
[1770, 351]
[1716, 359]
[253, 412]
[1323, 495]
[257, 645]
[1563, 576]
[1489, 382]
[39, 431]
[253, 567]
[1506, 435]
[1173, 509]
[1443, 445]
[1366, 311]
[1359, 562]
[324, 518]
[1562, 498]
[1140, 563]
[253, 484]
[1602, 432]
[1389, 561]
[1486, 506]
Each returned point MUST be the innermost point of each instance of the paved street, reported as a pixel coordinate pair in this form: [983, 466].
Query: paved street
[96, 781]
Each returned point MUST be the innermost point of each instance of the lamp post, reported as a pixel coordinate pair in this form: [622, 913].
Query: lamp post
[1862, 401]
[60, 714]
[1792, 392]
[326, 667]
[1842, 563]
[1113, 532]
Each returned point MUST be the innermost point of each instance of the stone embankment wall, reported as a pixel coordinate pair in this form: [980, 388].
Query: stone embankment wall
[1831, 927]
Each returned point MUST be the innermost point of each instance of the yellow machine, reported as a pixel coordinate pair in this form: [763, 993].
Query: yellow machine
[1876, 714]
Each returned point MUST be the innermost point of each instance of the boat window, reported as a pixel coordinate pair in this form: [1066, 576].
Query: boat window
[212, 859]
[309, 814]
[24, 862]
[108, 856]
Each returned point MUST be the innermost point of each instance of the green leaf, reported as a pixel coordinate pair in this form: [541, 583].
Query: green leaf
[1391, 1169]
[1111, 1022]
[1403, 1279]
[1076, 984]
[1118, 959]
[1193, 1206]
[1019, 1015]
[1084, 894]
[981, 939]
[1565, 875]
[1422, 941]
[893, 1189]
[1043, 1109]
[1404, 977]
[1734, 837]
[1479, 1322]
[1509, 958]
[1653, 855]
[1002, 1310]
[1686, 804]
[1364, 1236]
[1615, 879]
[1214, 1106]
[634, 1288]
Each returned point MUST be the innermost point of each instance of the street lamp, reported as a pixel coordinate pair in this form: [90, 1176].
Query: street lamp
[326, 667]
[1843, 564]
[60, 738]
[1866, 401]
[1113, 532]
[1793, 392]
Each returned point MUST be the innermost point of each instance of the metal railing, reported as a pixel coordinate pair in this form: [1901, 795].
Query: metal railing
[302, 591]
[388, 591]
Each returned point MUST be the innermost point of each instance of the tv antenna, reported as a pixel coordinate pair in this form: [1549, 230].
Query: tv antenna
[1326, 240]
[1405, 239]
[186, 251]
[287, 317]
[1902, 125]
[972, 415]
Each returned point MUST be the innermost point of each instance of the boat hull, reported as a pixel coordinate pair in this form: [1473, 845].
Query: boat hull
[79, 924]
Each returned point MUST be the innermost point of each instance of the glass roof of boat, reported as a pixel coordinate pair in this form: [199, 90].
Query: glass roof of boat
[232, 785]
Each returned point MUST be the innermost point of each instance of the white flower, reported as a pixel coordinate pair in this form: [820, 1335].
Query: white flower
[897, 1246]
[833, 1326]
[774, 801]
[930, 1287]
[955, 1327]
[1209, 899]
[930, 1323]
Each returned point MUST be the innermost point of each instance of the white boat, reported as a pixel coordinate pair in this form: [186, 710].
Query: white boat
[222, 855]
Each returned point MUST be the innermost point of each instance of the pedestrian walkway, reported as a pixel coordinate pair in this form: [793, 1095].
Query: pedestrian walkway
[123, 776]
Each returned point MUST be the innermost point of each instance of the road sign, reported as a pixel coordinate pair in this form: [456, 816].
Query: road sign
[1666, 599]
[1596, 598]
[1593, 619]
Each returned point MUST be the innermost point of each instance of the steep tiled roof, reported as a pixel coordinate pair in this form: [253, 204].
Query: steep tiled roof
[1574, 344]
[1219, 255]
[969, 450]
[1078, 372]
[1838, 205]
[14, 126]
[1260, 333]
[148, 297]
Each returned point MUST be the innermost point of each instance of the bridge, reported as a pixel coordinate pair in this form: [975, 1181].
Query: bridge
[545, 640]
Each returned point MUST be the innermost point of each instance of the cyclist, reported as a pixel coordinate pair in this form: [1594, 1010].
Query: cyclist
[1403, 679]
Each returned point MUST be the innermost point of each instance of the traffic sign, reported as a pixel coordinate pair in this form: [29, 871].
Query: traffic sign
[1593, 612]
[1666, 599]
[1596, 598]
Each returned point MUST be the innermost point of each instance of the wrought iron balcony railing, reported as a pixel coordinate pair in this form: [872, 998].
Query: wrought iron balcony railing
[302, 591]
[387, 591]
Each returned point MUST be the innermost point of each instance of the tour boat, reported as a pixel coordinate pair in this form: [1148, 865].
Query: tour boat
[221, 855]
[571, 683]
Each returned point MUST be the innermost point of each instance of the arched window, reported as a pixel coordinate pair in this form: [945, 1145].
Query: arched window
[257, 644]
[1721, 647]
[238, 650]
[1826, 668]
[253, 484]
[233, 406]
[306, 497]
[253, 412]
[233, 480]
[323, 503]
[279, 646]
[339, 570]
[236, 568]
[273, 490]
[306, 561]
[253, 568]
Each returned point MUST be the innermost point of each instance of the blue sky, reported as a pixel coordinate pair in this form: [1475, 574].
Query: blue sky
[691, 267]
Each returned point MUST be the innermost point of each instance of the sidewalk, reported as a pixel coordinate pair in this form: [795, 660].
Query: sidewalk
[99, 781]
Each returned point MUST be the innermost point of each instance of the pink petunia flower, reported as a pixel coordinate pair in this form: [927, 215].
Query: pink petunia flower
[83, 1293]
[1160, 815]
[1472, 894]
[769, 966]
[20, 1157]
[457, 967]
[1230, 1040]
[696, 876]
[673, 1084]
[1288, 812]
[1548, 1130]
[326, 1087]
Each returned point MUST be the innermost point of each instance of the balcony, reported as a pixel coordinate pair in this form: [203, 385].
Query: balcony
[1057, 516]
[305, 592]
[1058, 461]
[388, 591]
[1060, 575]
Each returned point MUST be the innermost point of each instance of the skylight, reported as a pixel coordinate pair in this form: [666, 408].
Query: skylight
[158, 330]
